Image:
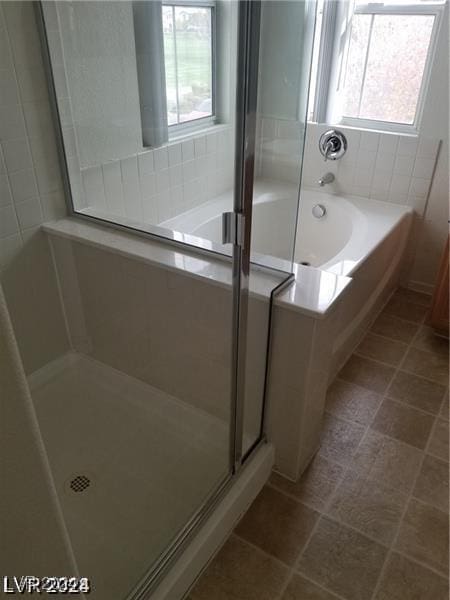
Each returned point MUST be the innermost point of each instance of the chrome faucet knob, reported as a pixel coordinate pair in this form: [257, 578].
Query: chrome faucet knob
[332, 144]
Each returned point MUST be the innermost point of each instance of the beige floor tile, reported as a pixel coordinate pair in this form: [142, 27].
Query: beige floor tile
[342, 560]
[432, 365]
[352, 402]
[339, 439]
[413, 296]
[387, 460]
[417, 391]
[277, 524]
[423, 535]
[315, 486]
[398, 307]
[381, 348]
[432, 483]
[438, 445]
[369, 506]
[394, 328]
[300, 588]
[403, 423]
[367, 373]
[240, 572]
[427, 339]
[406, 580]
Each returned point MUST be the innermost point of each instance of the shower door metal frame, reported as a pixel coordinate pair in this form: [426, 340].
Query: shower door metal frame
[245, 130]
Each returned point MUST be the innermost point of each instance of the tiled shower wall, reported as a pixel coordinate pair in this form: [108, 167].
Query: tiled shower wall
[279, 149]
[30, 182]
[30, 190]
[380, 166]
[145, 185]
[156, 185]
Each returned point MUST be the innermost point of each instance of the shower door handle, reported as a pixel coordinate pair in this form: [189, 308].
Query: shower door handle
[233, 228]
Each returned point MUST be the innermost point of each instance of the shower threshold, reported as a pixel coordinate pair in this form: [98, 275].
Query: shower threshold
[131, 465]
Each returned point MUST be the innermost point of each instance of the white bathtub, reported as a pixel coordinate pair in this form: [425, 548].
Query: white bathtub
[357, 237]
[339, 241]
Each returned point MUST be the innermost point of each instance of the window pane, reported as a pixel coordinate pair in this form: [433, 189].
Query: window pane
[398, 49]
[356, 60]
[397, 55]
[169, 59]
[194, 62]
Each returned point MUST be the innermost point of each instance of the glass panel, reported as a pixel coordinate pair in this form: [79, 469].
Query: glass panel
[285, 62]
[141, 441]
[284, 67]
[95, 49]
[135, 415]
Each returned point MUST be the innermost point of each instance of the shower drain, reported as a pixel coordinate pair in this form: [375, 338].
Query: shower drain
[80, 483]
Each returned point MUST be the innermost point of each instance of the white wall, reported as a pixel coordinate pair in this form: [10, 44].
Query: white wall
[433, 230]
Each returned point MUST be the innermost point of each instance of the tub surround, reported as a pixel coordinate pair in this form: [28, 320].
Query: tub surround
[396, 168]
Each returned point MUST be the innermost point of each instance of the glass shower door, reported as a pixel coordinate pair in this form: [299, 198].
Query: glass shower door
[142, 417]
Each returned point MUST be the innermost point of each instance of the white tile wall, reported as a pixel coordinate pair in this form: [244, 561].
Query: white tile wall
[158, 184]
[381, 166]
[279, 149]
[30, 181]
[153, 185]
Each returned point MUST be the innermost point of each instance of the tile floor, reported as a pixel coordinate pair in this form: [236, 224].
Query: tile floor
[369, 518]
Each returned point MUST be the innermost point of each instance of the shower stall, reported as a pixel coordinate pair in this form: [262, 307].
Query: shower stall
[151, 405]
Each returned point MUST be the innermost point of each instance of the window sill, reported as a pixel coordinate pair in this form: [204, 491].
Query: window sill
[397, 131]
[195, 133]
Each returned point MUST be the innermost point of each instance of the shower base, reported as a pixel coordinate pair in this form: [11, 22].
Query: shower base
[131, 465]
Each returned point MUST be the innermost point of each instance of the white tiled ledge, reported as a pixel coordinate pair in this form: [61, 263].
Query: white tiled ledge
[314, 292]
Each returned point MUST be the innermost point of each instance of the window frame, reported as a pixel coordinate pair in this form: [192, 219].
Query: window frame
[177, 130]
[331, 71]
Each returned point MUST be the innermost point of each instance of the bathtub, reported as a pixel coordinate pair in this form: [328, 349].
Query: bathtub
[357, 237]
[350, 230]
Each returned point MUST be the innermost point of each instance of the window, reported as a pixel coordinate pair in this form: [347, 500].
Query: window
[385, 52]
[188, 30]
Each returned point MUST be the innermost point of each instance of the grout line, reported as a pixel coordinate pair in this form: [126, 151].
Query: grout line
[348, 467]
[261, 551]
[424, 453]
[419, 562]
[410, 495]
